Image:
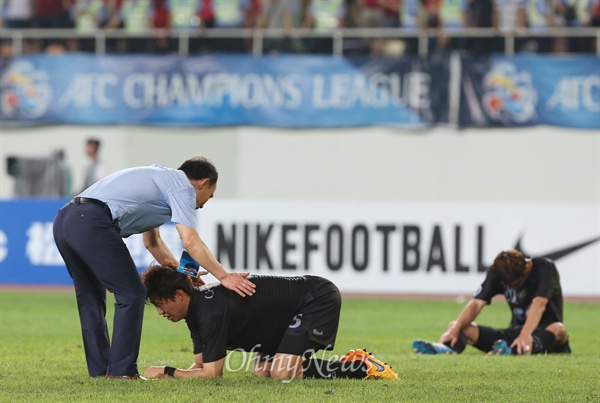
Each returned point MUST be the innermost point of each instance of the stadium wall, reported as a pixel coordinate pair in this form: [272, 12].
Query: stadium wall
[533, 164]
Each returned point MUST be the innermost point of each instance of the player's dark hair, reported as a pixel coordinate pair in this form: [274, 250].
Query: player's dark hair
[163, 281]
[509, 266]
[199, 167]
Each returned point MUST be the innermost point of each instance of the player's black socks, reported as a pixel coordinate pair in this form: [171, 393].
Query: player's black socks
[324, 369]
[460, 344]
[543, 341]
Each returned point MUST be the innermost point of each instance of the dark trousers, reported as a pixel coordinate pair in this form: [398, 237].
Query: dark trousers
[98, 260]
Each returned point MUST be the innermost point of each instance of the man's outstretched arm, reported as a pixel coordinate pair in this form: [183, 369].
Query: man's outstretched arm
[201, 254]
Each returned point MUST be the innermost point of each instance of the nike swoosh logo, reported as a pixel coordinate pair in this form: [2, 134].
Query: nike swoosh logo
[557, 254]
[380, 367]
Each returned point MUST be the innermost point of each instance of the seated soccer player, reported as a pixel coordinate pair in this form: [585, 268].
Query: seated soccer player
[533, 292]
[285, 322]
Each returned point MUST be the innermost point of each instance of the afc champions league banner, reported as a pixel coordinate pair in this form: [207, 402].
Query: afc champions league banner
[224, 90]
[530, 90]
[363, 247]
[301, 91]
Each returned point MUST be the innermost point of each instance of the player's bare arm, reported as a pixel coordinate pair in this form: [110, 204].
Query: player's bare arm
[208, 370]
[524, 342]
[198, 362]
[466, 316]
[202, 254]
[157, 247]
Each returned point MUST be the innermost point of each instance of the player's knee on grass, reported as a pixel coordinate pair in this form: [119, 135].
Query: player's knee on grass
[560, 332]
[471, 332]
[262, 366]
[286, 366]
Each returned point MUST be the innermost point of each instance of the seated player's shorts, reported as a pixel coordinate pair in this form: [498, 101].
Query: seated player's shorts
[488, 335]
[315, 327]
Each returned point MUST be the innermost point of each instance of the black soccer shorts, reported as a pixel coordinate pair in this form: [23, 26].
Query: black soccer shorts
[315, 326]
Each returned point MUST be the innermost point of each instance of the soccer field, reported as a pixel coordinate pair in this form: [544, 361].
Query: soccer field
[42, 358]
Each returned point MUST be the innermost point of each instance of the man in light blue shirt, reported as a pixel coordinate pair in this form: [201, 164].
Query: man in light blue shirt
[89, 230]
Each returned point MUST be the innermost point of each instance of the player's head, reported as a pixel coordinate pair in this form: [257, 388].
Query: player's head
[510, 268]
[199, 167]
[162, 283]
[168, 290]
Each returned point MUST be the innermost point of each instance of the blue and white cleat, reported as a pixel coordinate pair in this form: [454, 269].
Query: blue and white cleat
[429, 347]
[500, 347]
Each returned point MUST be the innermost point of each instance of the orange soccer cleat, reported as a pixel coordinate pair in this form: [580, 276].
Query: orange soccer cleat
[376, 369]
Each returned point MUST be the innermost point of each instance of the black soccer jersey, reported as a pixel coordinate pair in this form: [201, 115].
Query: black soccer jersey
[221, 320]
[543, 281]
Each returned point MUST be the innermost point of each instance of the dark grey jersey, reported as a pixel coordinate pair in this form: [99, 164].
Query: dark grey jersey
[543, 281]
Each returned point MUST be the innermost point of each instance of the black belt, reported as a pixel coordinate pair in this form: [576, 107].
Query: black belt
[81, 200]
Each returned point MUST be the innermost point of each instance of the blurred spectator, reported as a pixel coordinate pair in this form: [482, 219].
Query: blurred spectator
[229, 13]
[113, 21]
[593, 21]
[55, 48]
[391, 13]
[594, 14]
[252, 11]
[377, 14]
[222, 14]
[480, 14]
[113, 9]
[51, 14]
[17, 14]
[410, 16]
[88, 16]
[411, 21]
[450, 17]
[324, 16]
[5, 49]
[97, 169]
[276, 14]
[162, 18]
[184, 15]
[136, 17]
[509, 17]
[207, 14]
[573, 13]
[540, 17]
[188, 16]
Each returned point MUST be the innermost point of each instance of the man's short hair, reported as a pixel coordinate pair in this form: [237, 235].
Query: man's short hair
[163, 281]
[95, 143]
[509, 266]
[199, 167]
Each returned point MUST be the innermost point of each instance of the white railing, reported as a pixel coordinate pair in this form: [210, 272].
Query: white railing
[18, 36]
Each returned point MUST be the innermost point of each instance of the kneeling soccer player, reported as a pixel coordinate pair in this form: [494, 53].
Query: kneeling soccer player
[533, 292]
[288, 320]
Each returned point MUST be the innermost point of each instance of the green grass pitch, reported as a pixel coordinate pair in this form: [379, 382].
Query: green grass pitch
[42, 358]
